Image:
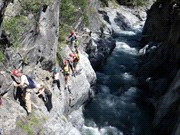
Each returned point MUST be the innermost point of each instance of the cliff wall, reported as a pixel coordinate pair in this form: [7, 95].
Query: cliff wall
[159, 74]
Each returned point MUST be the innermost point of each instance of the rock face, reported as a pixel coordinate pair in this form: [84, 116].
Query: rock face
[159, 74]
[36, 57]
[106, 23]
[56, 111]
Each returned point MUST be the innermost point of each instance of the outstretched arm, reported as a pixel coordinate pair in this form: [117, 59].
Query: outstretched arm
[40, 91]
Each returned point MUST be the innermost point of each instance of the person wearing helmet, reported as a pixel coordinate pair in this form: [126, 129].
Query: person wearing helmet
[75, 59]
[69, 59]
[72, 37]
[56, 77]
[27, 85]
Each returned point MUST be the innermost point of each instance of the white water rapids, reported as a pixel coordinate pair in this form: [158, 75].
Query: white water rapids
[119, 107]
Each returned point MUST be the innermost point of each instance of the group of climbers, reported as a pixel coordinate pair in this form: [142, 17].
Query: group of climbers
[71, 62]
[28, 85]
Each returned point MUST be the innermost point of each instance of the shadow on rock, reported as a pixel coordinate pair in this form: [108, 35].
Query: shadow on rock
[17, 93]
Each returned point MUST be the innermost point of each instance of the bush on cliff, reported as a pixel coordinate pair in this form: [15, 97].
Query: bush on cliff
[33, 6]
[70, 12]
[14, 28]
[17, 24]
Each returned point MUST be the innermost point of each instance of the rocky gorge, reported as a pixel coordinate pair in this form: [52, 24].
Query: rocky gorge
[36, 55]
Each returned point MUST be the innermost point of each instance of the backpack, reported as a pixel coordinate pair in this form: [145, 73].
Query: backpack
[31, 82]
[72, 38]
[77, 58]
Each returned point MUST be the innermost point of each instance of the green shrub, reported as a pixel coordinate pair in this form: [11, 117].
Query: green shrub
[67, 18]
[33, 6]
[69, 11]
[15, 27]
[85, 19]
[66, 12]
[82, 4]
[28, 125]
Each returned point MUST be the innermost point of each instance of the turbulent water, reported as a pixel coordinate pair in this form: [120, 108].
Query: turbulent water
[119, 107]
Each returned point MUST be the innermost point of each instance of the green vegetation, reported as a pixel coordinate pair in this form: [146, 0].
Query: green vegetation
[66, 18]
[70, 12]
[28, 125]
[82, 4]
[66, 12]
[32, 6]
[14, 28]
[60, 54]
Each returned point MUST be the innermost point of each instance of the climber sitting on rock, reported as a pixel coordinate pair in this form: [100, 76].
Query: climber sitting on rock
[27, 85]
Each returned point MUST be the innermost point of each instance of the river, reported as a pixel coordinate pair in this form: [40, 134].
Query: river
[119, 108]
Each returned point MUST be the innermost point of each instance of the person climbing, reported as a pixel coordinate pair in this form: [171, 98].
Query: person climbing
[27, 85]
[66, 71]
[75, 58]
[71, 38]
[56, 77]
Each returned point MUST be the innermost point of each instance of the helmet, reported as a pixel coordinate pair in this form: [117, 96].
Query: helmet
[55, 70]
[72, 32]
[71, 55]
[15, 72]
